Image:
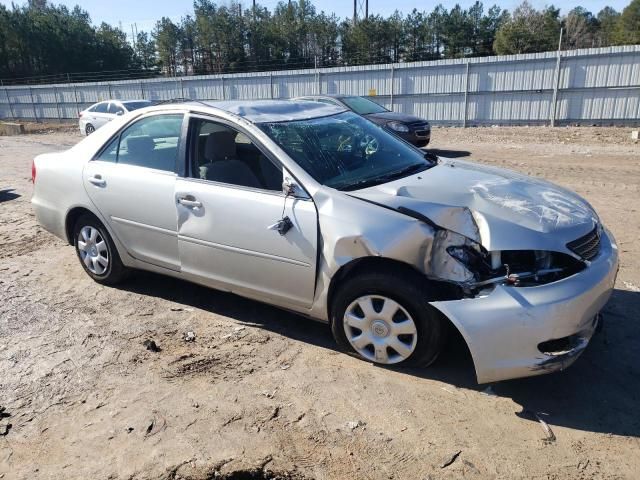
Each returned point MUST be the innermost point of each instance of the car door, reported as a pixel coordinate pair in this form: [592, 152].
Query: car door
[100, 116]
[132, 184]
[229, 203]
[114, 110]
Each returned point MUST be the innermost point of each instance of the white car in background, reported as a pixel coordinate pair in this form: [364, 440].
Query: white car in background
[100, 113]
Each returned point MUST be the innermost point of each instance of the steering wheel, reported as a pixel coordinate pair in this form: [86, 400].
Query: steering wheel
[369, 144]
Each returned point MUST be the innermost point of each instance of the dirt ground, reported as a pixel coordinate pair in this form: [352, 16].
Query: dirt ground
[262, 393]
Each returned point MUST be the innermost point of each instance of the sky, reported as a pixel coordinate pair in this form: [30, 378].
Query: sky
[144, 13]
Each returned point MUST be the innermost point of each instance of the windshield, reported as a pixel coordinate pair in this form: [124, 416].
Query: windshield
[362, 106]
[130, 106]
[346, 151]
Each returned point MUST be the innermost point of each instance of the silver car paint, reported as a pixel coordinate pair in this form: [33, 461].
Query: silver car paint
[497, 208]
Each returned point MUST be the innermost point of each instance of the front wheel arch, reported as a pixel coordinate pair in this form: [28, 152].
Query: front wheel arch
[434, 289]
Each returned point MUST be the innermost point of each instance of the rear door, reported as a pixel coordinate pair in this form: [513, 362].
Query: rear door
[132, 183]
[231, 196]
[114, 110]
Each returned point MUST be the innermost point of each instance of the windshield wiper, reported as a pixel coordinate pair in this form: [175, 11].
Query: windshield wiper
[369, 182]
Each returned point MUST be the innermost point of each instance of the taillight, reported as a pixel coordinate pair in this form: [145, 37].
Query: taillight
[33, 171]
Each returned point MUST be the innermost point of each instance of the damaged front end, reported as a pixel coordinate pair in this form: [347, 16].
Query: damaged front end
[517, 291]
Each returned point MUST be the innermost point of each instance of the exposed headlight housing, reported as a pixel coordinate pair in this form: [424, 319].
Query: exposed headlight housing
[398, 127]
[520, 268]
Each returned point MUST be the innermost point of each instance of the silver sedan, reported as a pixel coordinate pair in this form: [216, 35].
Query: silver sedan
[312, 208]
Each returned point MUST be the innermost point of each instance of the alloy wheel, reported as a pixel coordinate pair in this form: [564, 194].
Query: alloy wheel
[93, 250]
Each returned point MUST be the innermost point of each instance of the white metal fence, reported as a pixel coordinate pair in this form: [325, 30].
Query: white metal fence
[589, 86]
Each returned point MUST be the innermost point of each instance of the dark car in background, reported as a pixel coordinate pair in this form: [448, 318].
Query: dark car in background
[412, 129]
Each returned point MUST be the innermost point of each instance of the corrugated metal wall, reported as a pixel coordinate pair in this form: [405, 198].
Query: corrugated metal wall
[589, 86]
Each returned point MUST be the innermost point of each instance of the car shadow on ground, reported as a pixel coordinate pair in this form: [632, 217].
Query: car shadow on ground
[8, 194]
[448, 153]
[599, 393]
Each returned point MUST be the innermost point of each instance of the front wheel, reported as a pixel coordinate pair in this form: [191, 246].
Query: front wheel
[89, 129]
[96, 251]
[386, 319]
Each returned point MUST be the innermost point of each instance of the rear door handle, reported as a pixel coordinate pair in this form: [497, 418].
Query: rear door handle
[189, 201]
[97, 180]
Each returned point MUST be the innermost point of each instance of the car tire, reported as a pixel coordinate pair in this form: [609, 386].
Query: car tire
[97, 252]
[387, 338]
[89, 129]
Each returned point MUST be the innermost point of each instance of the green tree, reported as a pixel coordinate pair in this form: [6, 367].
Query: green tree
[627, 31]
[581, 28]
[167, 38]
[145, 49]
[528, 30]
[607, 25]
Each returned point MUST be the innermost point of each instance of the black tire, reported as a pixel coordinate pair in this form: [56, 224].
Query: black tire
[115, 271]
[89, 129]
[411, 294]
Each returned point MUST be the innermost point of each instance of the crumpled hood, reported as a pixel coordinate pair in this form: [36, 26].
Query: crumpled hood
[500, 209]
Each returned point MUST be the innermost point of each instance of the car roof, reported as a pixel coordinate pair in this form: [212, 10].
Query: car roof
[259, 111]
[133, 100]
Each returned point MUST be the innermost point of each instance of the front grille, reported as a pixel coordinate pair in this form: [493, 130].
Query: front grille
[419, 126]
[587, 246]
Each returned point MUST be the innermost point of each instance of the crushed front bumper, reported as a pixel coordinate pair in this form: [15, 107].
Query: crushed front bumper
[504, 329]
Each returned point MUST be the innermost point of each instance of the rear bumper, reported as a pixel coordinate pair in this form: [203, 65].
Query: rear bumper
[505, 328]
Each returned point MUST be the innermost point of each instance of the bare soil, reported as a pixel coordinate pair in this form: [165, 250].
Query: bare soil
[263, 393]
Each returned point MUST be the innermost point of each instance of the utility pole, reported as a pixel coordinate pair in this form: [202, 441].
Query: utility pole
[360, 10]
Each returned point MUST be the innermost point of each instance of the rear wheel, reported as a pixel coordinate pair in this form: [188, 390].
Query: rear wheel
[96, 251]
[89, 129]
[386, 319]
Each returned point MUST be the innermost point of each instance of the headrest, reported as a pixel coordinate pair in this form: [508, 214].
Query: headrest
[140, 145]
[220, 146]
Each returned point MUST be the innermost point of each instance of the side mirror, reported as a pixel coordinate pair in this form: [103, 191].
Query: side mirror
[291, 188]
[119, 113]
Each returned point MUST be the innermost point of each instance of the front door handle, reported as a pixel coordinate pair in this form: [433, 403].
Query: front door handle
[189, 201]
[97, 180]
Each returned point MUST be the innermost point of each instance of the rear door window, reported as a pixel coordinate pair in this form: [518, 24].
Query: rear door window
[151, 142]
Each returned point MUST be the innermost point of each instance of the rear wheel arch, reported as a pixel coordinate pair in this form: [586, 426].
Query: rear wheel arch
[72, 217]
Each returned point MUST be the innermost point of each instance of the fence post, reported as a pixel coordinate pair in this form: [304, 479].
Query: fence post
[319, 90]
[554, 101]
[392, 84]
[224, 92]
[181, 88]
[466, 95]
[75, 95]
[271, 84]
[6, 92]
[33, 105]
[55, 95]
[142, 90]
[109, 87]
